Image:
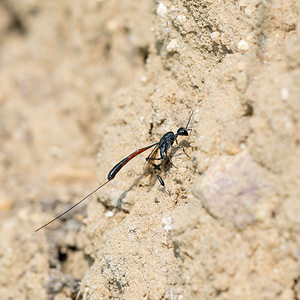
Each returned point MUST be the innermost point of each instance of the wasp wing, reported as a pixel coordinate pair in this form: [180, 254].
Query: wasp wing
[151, 158]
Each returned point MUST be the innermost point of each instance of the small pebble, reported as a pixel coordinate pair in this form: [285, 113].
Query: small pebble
[172, 46]
[284, 93]
[243, 46]
[181, 19]
[215, 36]
[167, 222]
[161, 10]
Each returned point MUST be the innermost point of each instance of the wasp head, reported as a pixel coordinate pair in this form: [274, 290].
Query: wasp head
[182, 131]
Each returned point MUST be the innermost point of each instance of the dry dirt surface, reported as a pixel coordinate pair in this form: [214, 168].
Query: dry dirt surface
[85, 83]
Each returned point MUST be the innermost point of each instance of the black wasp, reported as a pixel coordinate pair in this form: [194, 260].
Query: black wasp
[162, 147]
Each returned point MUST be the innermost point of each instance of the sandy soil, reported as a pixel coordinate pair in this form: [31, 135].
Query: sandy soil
[84, 83]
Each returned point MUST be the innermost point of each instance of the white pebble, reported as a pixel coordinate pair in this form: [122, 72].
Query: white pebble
[172, 46]
[161, 10]
[181, 19]
[284, 93]
[109, 214]
[248, 12]
[143, 79]
[243, 46]
[288, 125]
[167, 222]
[215, 36]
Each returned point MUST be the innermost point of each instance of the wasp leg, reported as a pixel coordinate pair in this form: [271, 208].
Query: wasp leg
[160, 180]
[162, 183]
[158, 176]
[157, 167]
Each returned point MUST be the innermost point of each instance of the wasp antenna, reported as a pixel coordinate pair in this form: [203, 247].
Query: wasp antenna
[189, 120]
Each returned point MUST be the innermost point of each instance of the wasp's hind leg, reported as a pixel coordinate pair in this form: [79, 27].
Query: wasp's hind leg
[161, 181]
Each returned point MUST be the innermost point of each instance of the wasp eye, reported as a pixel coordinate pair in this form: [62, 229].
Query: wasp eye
[182, 131]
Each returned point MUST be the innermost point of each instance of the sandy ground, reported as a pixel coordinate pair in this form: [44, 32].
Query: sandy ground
[85, 83]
